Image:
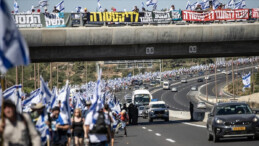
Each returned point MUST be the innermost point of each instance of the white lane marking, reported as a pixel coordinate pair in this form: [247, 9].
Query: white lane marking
[202, 126]
[170, 140]
[144, 127]
[158, 134]
[150, 130]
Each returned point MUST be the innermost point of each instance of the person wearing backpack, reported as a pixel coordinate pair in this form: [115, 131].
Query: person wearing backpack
[124, 121]
[97, 132]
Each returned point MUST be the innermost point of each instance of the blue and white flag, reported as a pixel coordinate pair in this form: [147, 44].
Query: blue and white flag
[143, 5]
[16, 7]
[78, 9]
[231, 4]
[35, 97]
[194, 5]
[65, 111]
[246, 79]
[14, 94]
[60, 6]
[240, 5]
[188, 5]
[43, 3]
[13, 48]
[99, 6]
[53, 101]
[43, 128]
[151, 2]
[46, 94]
[205, 4]
[215, 4]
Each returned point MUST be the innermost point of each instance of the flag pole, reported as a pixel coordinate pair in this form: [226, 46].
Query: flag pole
[57, 75]
[35, 85]
[38, 68]
[50, 74]
[2, 108]
[16, 74]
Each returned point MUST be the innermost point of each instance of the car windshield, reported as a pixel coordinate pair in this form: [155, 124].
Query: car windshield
[128, 100]
[165, 84]
[141, 98]
[157, 106]
[141, 107]
[233, 109]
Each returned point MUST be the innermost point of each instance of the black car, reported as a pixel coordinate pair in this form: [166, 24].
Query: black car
[232, 120]
[200, 80]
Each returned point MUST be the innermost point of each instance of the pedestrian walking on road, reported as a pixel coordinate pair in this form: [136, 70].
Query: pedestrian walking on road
[124, 121]
[17, 129]
[77, 127]
[191, 110]
[98, 132]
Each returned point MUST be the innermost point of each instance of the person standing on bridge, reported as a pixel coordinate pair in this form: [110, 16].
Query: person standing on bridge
[191, 110]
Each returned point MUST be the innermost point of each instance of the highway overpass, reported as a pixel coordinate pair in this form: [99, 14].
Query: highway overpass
[142, 42]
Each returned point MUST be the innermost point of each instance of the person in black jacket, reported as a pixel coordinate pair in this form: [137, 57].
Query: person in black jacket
[191, 110]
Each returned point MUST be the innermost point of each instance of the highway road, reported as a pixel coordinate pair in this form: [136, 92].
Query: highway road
[176, 132]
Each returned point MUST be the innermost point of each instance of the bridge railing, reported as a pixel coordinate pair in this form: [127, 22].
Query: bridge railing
[94, 19]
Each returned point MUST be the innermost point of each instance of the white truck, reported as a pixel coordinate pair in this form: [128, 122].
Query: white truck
[166, 85]
[141, 97]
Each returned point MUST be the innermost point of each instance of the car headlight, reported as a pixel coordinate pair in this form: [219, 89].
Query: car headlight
[219, 121]
[255, 119]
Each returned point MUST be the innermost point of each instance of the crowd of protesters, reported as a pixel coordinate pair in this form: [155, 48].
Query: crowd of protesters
[83, 128]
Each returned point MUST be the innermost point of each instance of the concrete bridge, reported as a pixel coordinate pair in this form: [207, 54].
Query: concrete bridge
[142, 42]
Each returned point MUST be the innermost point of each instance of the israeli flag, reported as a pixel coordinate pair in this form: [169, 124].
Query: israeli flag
[151, 2]
[14, 94]
[13, 48]
[143, 5]
[215, 4]
[194, 5]
[43, 3]
[53, 100]
[99, 6]
[45, 92]
[60, 6]
[240, 5]
[246, 79]
[42, 128]
[35, 97]
[78, 9]
[188, 6]
[205, 4]
[15, 7]
[65, 111]
[231, 4]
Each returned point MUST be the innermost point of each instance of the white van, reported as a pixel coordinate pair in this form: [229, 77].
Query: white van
[166, 85]
[141, 97]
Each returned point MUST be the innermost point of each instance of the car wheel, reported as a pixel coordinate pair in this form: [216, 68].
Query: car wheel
[256, 137]
[210, 136]
[166, 119]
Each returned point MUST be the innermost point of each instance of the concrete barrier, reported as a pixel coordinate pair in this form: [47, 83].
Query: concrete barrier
[197, 116]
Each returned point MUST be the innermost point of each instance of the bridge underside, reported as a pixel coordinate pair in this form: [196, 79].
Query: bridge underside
[151, 51]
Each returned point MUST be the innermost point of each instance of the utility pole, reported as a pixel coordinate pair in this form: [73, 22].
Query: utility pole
[35, 84]
[216, 87]
[22, 78]
[57, 75]
[233, 78]
[86, 71]
[16, 72]
[38, 75]
[50, 75]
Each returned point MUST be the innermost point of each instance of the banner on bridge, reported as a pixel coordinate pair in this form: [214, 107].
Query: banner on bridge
[216, 15]
[255, 13]
[28, 20]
